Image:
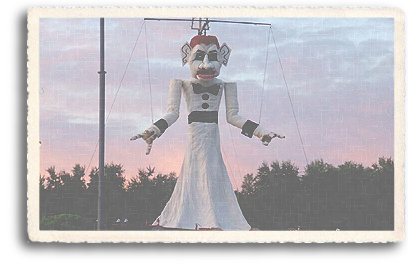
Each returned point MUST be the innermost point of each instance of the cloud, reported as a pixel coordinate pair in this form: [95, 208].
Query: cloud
[339, 73]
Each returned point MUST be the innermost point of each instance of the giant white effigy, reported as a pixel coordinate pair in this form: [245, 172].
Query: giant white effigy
[203, 195]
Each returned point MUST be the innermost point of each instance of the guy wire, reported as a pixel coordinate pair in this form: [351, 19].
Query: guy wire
[148, 74]
[116, 94]
[290, 100]
[264, 77]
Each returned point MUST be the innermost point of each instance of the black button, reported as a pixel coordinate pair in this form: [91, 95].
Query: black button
[205, 106]
[205, 96]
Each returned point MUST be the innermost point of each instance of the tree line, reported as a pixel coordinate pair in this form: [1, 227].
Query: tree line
[278, 197]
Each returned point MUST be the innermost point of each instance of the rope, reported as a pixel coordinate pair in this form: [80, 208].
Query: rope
[290, 99]
[148, 73]
[124, 73]
[264, 77]
[116, 94]
[90, 161]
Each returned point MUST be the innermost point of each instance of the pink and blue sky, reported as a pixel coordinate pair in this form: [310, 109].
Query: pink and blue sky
[339, 72]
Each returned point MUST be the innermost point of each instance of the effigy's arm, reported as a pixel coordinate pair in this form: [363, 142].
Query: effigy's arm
[173, 112]
[248, 127]
[173, 106]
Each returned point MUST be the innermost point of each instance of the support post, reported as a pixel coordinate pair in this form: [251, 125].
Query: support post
[102, 181]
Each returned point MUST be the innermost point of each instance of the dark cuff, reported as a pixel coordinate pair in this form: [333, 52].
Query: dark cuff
[249, 128]
[162, 125]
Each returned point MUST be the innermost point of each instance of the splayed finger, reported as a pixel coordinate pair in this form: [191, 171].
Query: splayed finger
[149, 148]
[137, 136]
[280, 136]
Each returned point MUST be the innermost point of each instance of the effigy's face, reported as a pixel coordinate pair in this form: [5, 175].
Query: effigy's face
[205, 61]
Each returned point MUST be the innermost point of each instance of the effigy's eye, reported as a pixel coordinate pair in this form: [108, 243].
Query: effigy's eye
[212, 57]
[199, 57]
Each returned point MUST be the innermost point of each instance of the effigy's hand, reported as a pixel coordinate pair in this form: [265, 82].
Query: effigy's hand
[148, 136]
[265, 135]
[267, 138]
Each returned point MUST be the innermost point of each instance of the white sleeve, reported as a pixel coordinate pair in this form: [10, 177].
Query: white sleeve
[173, 108]
[173, 101]
[231, 105]
[232, 109]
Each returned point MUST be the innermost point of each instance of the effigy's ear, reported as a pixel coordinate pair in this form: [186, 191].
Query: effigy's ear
[185, 52]
[225, 53]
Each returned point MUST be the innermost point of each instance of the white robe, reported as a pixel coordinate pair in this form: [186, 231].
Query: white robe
[203, 194]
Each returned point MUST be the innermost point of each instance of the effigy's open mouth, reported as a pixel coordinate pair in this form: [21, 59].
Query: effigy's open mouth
[206, 73]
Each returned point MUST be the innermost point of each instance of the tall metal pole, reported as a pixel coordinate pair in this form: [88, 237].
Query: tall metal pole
[102, 181]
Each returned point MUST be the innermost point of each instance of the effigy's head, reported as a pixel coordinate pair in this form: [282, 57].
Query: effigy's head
[205, 56]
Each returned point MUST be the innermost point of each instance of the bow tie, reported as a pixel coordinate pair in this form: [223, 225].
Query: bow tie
[198, 89]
